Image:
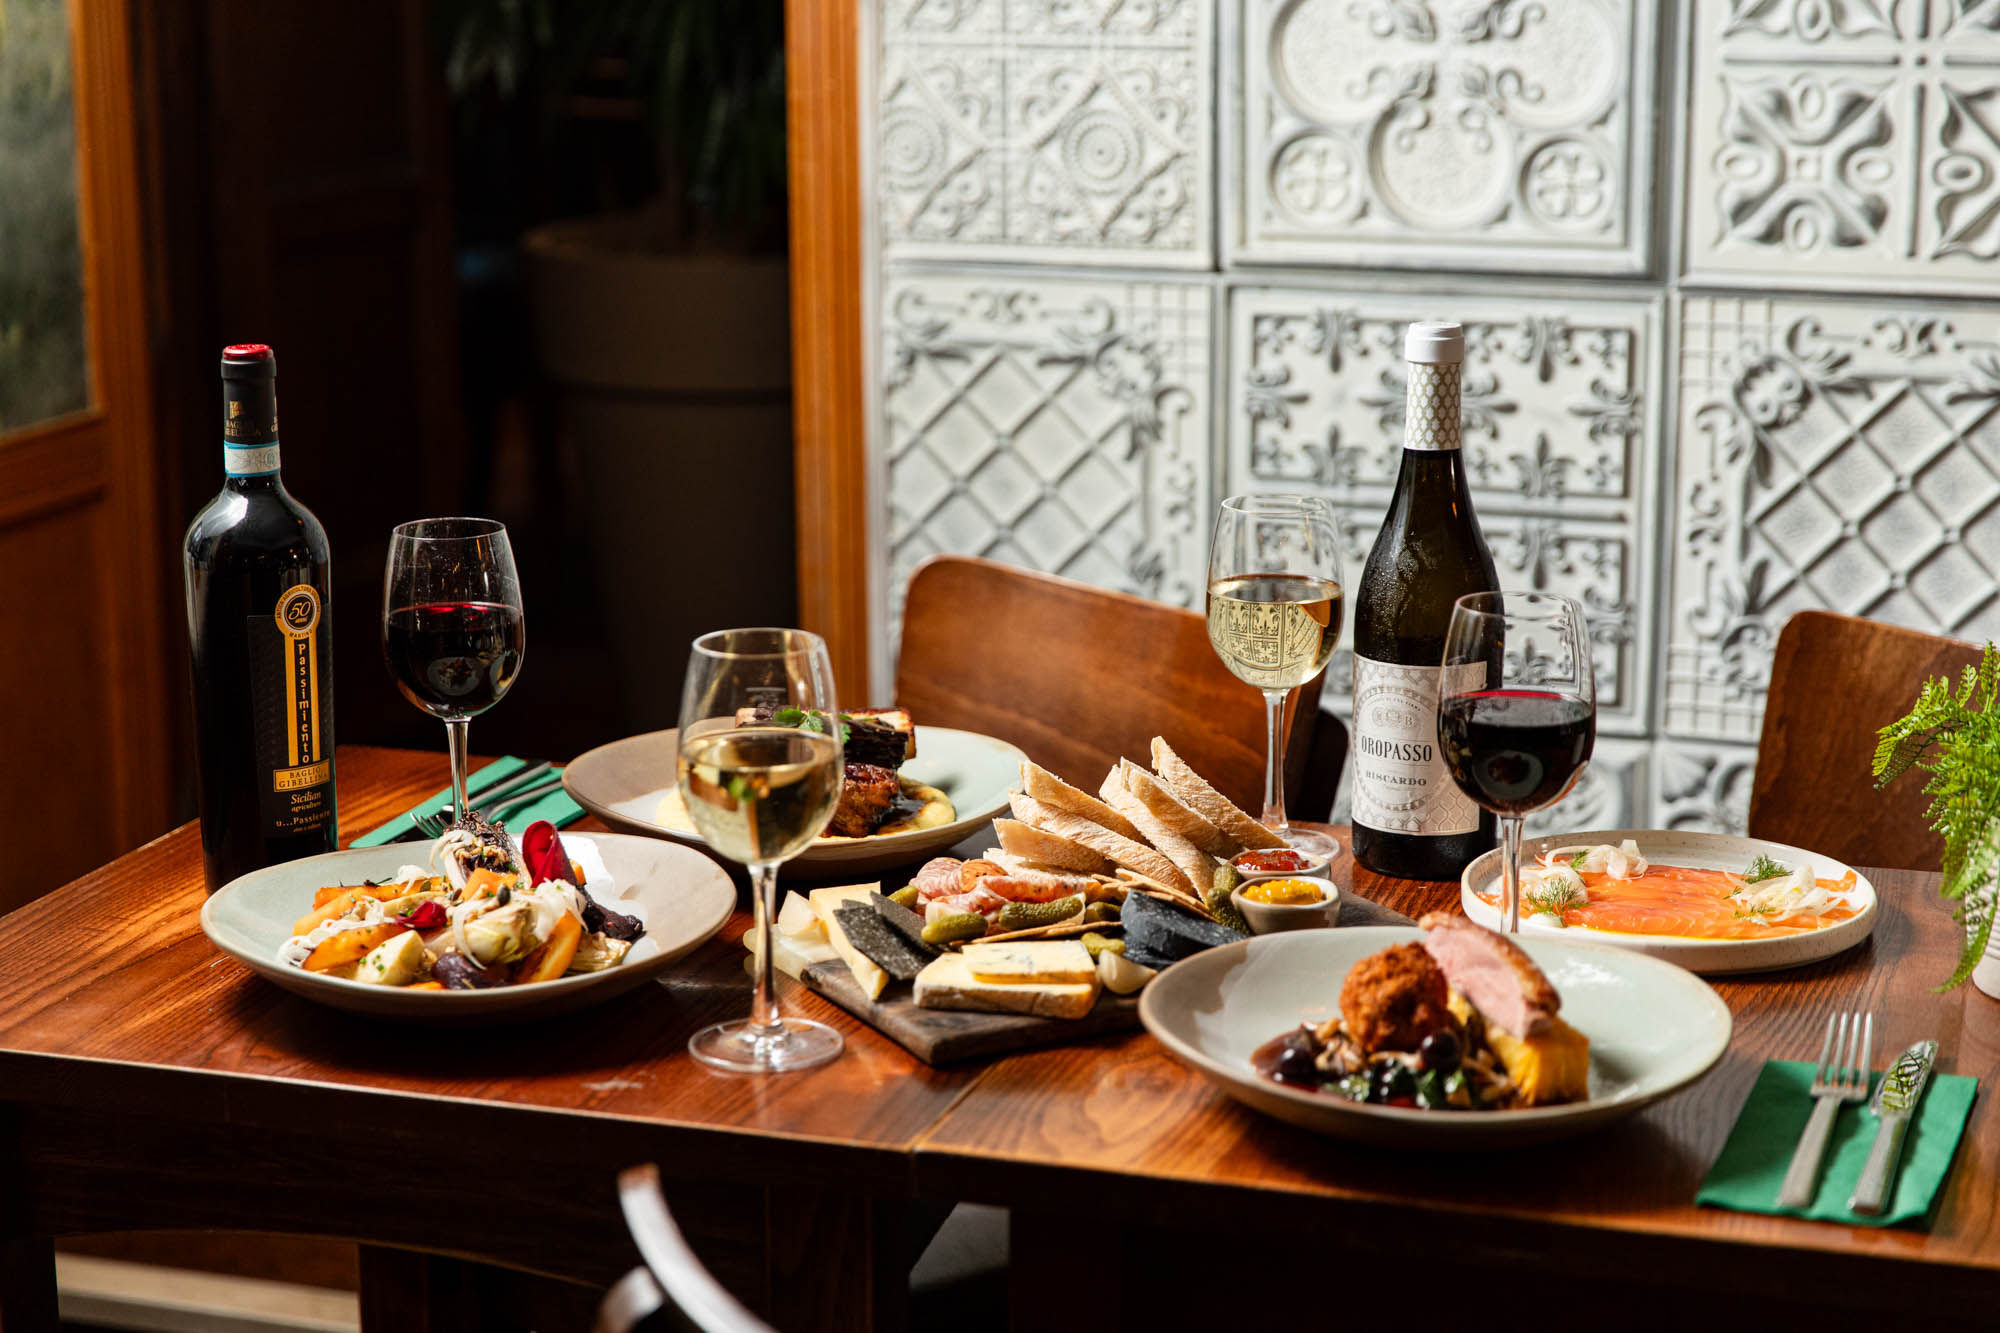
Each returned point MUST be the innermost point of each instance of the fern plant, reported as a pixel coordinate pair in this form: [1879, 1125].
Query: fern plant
[1954, 735]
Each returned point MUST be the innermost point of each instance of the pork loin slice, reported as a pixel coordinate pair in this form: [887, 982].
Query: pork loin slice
[1492, 972]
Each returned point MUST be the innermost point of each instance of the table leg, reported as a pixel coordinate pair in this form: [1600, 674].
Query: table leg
[836, 1261]
[28, 1284]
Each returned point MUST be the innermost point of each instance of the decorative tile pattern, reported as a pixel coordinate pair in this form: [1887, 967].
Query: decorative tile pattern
[1836, 140]
[1434, 132]
[1835, 454]
[1066, 130]
[1059, 425]
[1611, 794]
[1704, 788]
[1560, 424]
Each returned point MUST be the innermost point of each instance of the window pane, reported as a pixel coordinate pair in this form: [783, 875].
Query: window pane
[43, 370]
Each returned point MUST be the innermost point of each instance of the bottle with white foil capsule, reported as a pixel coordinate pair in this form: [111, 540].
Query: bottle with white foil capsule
[1410, 818]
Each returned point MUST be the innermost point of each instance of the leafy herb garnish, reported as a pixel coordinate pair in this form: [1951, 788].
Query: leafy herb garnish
[1555, 899]
[1764, 868]
[1577, 859]
[810, 721]
[1954, 735]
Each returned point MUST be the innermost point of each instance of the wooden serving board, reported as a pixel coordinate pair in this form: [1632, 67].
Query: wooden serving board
[946, 1036]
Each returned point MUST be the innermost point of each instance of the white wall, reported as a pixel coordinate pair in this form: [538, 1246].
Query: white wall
[1726, 267]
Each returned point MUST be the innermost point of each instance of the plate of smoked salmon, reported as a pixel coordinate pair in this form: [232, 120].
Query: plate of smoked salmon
[1709, 902]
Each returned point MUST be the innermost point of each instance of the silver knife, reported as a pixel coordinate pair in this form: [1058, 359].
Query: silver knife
[1896, 1096]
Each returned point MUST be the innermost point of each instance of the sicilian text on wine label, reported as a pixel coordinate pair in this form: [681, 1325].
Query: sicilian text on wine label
[1401, 784]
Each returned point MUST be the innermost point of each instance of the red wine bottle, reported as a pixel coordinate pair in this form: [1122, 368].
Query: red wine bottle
[1410, 819]
[260, 624]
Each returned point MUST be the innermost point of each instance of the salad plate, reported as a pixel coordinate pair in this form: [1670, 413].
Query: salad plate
[682, 897]
[629, 784]
[1659, 932]
[1653, 1029]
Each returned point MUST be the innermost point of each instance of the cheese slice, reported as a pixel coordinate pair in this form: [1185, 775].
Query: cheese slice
[797, 919]
[794, 955]
[947, 982]
[1031, 960]
[867, 974]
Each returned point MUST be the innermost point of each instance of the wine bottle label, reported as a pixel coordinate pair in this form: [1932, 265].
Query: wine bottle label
[292, 685]
[250, 460]
[1401, 784]
[1431, 413]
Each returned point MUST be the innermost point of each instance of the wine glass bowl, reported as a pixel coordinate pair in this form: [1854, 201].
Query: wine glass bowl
[453, 630]
[1517, 711]
[1274, 603]
[759, 768]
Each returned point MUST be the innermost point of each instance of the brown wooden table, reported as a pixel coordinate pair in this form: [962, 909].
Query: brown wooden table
[152, 1083]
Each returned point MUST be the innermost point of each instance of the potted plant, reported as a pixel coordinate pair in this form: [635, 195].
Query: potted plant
[661, 315]
[1954, 735]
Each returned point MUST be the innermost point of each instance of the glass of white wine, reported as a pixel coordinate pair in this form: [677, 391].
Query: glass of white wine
[1274, 602]
[760, 770]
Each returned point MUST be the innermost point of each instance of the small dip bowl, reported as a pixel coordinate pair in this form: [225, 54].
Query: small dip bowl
[1269, 918]
[1300, 865]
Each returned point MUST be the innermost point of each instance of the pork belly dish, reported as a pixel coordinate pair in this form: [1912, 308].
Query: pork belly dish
[1460, 1020]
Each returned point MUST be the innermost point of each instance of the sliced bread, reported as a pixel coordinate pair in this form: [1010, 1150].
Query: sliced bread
[1043, 848]
[1211, 804]
[1053, 792]
[1177, 814]
[1197, 868]
[1118, 848]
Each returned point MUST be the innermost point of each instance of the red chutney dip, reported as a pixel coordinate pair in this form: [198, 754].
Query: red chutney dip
[1275, 859]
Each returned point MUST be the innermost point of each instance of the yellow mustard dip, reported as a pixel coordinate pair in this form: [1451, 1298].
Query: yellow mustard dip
[1298, 891]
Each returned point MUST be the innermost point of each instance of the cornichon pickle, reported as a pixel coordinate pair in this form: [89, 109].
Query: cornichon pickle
[1098, 944]
[957, 926]
[1225, 879]
[1101, 912]
[1026, 916]
[1223, 910]
[906, 896]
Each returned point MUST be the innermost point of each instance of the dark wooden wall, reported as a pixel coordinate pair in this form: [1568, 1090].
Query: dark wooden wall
[297, 193]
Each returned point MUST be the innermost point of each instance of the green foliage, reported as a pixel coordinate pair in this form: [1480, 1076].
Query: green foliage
[43, 368]
[709, 76]
[1954, 735]
[1764, 868]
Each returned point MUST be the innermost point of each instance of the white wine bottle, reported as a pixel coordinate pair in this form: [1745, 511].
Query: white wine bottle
[1410, 819]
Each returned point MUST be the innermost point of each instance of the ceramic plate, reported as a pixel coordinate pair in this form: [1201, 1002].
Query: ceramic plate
[1715, 851]
[1653, 1028]
[682, 896]
[624, 782]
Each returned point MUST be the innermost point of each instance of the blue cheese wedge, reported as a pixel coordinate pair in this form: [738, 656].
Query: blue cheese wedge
[1061, 961]
[947, 982]
[867, 973]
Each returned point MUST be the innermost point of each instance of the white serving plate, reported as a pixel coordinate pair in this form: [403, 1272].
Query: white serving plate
[1653, 1029]
[1712, 851]
[624, 782]
[682, 896]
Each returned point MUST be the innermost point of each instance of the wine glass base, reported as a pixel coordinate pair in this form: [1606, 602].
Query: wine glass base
[743, 1047]
[1306, 840]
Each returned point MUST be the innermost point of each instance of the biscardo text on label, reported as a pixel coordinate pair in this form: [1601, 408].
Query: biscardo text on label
[1401, 784]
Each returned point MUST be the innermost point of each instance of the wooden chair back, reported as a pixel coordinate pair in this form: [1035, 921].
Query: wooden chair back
[673, 1290]
[1080, 677]
[1835, 680]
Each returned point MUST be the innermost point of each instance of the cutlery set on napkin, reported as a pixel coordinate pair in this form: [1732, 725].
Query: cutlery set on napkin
[1861, 1182]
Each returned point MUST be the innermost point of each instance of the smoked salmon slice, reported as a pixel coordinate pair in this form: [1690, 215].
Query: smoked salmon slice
[1688, 902]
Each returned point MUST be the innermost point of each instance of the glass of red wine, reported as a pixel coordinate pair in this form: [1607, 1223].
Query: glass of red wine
[1517, 711]
[452, 629]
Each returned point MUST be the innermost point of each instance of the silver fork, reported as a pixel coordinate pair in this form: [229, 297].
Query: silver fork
[434, 826]
[1842, 1077]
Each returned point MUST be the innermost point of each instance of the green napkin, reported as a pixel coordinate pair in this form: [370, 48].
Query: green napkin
[1752, 1165]
[555, 806]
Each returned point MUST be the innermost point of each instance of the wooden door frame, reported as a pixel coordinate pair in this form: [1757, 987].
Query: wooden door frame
[829, 358]
[105, 453]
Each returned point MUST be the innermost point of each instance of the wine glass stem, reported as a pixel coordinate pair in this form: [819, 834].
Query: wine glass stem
[1274, 761]
[1510, 871]
[764, 1020]
[455, 729]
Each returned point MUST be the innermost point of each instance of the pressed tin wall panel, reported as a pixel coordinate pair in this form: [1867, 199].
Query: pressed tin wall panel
[1437, 133]
[1561, 423]
[1058, 424]
[1052, 130]
[1838, 454]
[1704, 787]
[1835, 143]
